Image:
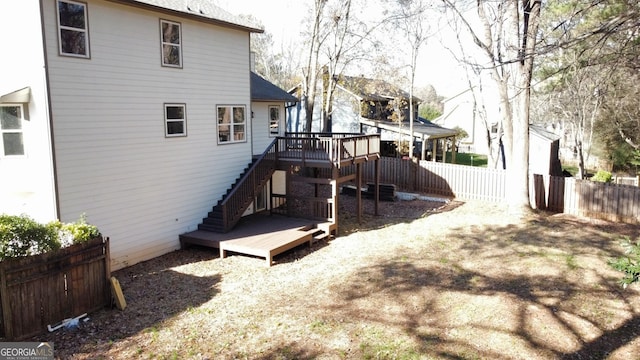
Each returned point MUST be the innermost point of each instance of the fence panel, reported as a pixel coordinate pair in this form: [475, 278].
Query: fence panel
[607, 201]
[41, 290]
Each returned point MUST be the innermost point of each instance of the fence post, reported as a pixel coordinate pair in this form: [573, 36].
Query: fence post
[7, 320]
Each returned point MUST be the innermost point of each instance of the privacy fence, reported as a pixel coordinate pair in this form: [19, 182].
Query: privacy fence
[41, 290]
[608, 201]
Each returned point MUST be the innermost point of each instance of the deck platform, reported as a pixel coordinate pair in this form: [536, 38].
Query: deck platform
[260, 235]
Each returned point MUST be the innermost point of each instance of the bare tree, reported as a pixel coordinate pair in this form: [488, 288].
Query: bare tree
[506, 37]
[311, 72]
[411, 20]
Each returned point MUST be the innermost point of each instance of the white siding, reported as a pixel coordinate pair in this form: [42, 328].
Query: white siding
[113, 160]
[26, 182]
[261, 136]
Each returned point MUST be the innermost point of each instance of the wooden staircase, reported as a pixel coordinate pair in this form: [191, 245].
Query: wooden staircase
[229, 209]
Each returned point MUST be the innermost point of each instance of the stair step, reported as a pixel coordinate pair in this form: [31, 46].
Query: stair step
[212, 221]
[205, 227]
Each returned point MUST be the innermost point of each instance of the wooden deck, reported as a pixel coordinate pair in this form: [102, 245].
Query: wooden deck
[260, 235]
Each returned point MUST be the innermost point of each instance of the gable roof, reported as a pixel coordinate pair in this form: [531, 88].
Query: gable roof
[263, 90]
[542, 133]
[201, 10]
[422, 128]
[372, 89]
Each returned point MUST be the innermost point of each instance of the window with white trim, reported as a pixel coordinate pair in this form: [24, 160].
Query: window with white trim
[231, 123]
[171, 43]
[175, 120]
[73, 28]
[274, 120]
[11, 139]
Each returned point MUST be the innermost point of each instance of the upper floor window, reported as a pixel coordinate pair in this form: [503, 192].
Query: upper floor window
[171, 42]
[175, 120]
[11, 129]
[73, 29]
[231, 124]
[274, 120]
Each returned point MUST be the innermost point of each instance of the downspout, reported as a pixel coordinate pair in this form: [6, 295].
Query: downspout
[49, 115]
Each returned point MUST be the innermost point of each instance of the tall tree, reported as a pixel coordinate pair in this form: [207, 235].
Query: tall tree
[590, 53]
[311, 72]
[411, 20]
[506, 36]
[339, 39]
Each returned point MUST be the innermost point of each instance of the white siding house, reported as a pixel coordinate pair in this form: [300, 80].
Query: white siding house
[150, 108]
[26, 167]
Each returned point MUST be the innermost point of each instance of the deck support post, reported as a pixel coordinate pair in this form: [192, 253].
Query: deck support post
[359, 191]
[334, 196]
[376, 192]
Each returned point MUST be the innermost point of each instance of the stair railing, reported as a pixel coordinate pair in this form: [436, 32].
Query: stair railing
[245, 190]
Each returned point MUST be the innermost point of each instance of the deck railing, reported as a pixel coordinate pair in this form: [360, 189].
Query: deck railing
[306, 148]
[328, 147]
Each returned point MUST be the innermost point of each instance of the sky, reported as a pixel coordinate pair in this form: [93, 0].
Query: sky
[282, 19]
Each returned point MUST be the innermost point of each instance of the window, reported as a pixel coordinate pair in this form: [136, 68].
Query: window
[73, 31]
[231, 124]
[11, 128]
[170, 39]
[274, 120]
[175, 120]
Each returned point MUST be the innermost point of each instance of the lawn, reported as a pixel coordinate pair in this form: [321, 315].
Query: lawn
[462, 281]
[469, 159]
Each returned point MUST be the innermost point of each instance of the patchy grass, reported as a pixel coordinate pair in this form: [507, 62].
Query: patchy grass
[463, 281]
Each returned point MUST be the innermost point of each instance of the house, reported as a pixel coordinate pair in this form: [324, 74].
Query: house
[466, 110]
[375, 106]
[136, 113]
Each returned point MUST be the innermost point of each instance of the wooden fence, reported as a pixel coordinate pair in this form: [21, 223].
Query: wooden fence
[558, 194]
[41, 290]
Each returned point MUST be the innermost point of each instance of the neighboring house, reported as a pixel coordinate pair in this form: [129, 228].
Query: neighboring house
[372, 106]
[466, 110]
[136, 113]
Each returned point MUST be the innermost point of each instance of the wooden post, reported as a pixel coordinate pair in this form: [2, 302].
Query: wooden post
[453, 150]
[434, 150]
[334, 196]
[6, 305]
[287, 179]
[359, 191]
[107, 268]
[377, 183]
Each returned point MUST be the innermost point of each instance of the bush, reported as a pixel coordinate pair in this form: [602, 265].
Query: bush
[75, 233]
[602, 176]
[23, 236]
[630, 264]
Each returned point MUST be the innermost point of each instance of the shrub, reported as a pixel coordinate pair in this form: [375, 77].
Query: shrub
[23, 236]
[76, 232]
[602, 176]
[630, 264]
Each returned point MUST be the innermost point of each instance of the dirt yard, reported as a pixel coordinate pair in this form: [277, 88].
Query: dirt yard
[422, 281]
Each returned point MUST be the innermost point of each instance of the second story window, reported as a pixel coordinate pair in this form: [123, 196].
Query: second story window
[274, 120]
[231, 124]
[12, 142]
[73, 30]
[171, 42]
